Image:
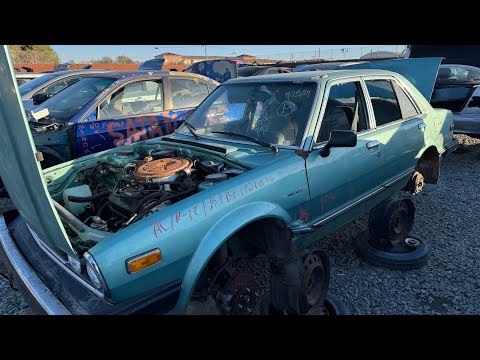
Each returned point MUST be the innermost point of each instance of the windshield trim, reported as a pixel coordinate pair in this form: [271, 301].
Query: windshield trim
[308, 124]
[238, 141]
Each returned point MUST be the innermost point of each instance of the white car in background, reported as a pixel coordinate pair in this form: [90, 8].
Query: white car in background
[25, 77]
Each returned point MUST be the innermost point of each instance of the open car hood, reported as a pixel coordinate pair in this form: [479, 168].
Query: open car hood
[19, 169]
[218, 70]
[421, 72]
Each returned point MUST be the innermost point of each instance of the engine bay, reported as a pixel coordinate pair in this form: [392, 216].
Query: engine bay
[128, 186]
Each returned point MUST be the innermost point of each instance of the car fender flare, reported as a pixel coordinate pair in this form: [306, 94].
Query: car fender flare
[220, 232]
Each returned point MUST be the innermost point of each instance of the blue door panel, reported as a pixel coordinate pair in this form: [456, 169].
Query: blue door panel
[95, 136]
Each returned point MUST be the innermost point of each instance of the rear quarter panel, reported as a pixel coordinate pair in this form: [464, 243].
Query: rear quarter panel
[438, 121]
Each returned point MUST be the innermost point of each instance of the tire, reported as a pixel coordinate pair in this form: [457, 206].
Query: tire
[381, 222]
[409, 259]
[335, 306]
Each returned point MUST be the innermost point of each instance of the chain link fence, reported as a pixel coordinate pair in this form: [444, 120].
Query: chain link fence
[367, 52]
[347, 53]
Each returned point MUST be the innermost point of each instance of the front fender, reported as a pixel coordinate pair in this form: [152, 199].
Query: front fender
[220, 232]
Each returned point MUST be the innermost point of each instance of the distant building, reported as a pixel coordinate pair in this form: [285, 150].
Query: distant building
[171, 58]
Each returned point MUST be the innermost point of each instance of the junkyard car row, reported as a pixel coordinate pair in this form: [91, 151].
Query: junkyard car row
[154, 197]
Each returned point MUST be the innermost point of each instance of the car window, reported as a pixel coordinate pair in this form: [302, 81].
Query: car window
[273, 112]
[406, 105]
[451, 75]
[345, 110]
[187, 92]
[384, 101]
[22, 81]
[272, 71]
[35, 83]
[141, 97]
[63, 106]
[59, 85]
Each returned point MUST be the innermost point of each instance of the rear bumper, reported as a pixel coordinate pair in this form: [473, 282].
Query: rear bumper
[449, 148]
[38, 296]
[50, 289]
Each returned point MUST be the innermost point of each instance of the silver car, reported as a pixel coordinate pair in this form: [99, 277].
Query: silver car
[457, 88]
[24, 77]
[40, 89]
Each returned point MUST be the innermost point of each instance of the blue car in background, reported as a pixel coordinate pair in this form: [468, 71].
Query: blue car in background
[112, 109]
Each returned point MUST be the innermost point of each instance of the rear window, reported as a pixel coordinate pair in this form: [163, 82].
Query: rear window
[245, 71]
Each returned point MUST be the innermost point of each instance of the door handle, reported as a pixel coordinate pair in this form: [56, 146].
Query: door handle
[422, 126]
[373, 144]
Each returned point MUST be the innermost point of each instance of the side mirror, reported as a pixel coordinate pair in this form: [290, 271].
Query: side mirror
[40, 98]
[339, 138]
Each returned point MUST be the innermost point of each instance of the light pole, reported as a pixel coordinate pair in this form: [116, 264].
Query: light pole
[206, 56]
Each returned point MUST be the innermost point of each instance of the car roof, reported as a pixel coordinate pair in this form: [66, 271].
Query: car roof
[32, 75]
[135, 73]
[309, 75]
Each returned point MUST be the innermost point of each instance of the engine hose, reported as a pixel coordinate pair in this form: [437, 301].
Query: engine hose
[147, 208]
[84, 199]
[156, 194]
[102, 209]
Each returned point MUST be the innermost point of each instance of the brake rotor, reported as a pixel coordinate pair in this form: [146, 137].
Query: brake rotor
[416, 183]
[161, 168]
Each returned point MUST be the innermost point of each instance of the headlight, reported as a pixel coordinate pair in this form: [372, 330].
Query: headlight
[75, 264]
[94, 274]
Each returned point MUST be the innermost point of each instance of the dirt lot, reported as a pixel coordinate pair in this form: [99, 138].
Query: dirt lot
[446, 217]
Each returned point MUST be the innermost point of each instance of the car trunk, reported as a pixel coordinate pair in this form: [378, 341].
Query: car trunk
[19, 168]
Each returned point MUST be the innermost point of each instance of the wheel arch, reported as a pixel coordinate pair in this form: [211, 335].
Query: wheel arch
[224, 229]
[429, 165]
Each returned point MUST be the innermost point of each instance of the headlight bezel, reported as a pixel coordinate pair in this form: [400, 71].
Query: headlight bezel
[90, 263]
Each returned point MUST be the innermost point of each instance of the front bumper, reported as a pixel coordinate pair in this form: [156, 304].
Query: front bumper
[449, 148]
[50, 289]
[38, 296]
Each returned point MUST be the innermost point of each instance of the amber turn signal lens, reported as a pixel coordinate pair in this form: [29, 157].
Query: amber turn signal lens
[143, 261]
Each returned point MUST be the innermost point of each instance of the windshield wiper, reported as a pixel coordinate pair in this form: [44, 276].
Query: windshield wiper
[192, 129]
[252, 139]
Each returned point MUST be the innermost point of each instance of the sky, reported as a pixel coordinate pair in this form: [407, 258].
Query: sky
[144, 52]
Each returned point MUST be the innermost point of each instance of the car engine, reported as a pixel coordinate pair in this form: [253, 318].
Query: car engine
[141, 187]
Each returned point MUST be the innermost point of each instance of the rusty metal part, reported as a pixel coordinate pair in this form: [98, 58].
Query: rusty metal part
[245, 294]
[390, 222]
[240, 295]
[416, 183]
[401, 222]
[316, 278]
[161, 168]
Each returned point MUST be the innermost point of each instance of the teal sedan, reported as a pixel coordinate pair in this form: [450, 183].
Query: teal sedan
[264, 165]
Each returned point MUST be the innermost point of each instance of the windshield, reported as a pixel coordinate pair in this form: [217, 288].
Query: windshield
[65, 104]
[25, 88]
[276, 112]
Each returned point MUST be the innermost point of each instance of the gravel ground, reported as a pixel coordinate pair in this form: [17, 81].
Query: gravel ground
[446, 217]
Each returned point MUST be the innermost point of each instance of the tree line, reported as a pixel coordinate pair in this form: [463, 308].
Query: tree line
[44, 54]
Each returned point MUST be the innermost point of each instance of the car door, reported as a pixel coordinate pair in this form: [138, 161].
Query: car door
[129, 113]
[399, 124]
[348, 174]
